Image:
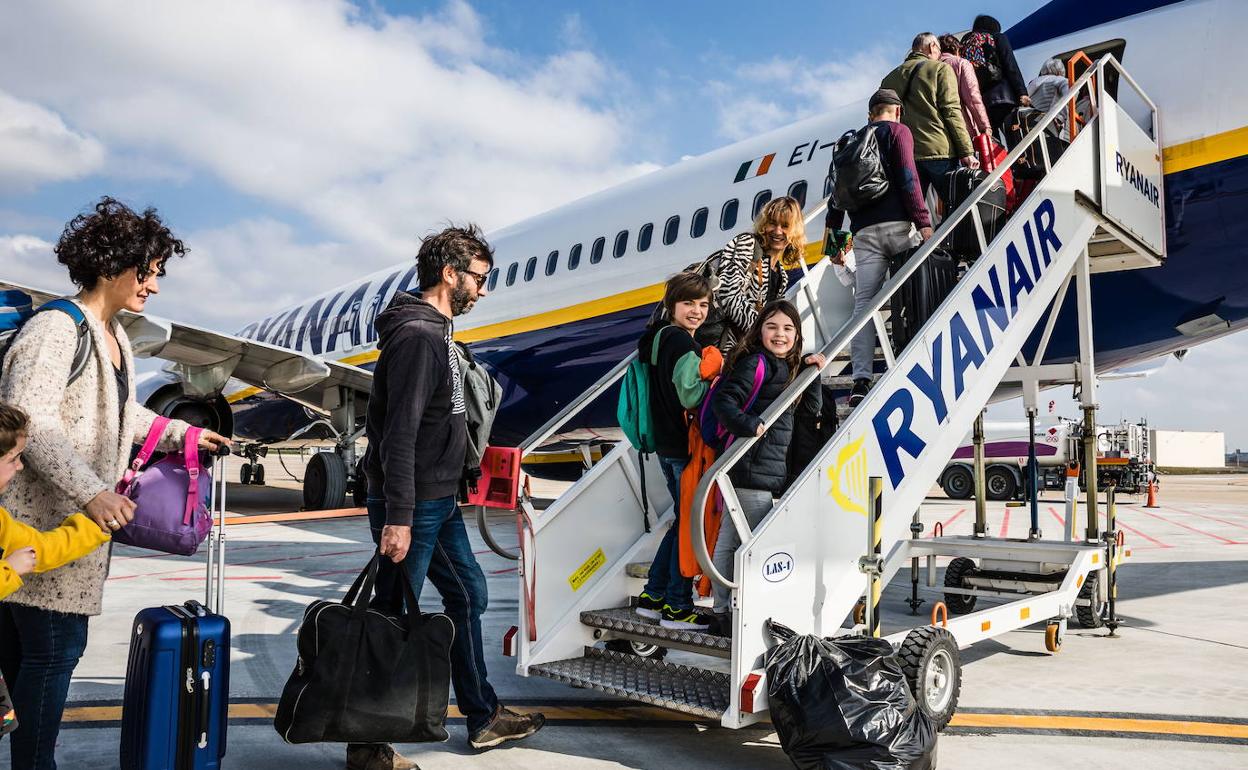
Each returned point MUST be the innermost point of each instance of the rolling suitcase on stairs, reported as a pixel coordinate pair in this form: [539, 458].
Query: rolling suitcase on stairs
[959, 184]
[174, 713]
[922, 293]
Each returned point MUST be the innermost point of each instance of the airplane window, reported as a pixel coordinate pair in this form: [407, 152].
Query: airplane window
[595, 253]
[728, 216]
[670, 230]
[644, 235]
[827, 186]
[511, 273]
[530, 269]
[760, 200]
[698, 226]
[552, 261]
[574, 257]
[493, 279]
[798, 190]
[621, 244]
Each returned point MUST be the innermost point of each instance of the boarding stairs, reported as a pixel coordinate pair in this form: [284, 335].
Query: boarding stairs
[804, 564]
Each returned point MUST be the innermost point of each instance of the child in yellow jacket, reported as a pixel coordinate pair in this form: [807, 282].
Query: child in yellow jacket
[25, 548]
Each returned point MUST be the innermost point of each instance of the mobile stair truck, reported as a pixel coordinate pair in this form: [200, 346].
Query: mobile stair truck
[843, 529]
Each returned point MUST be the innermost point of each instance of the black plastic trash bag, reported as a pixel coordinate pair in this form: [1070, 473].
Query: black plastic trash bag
[843, 704]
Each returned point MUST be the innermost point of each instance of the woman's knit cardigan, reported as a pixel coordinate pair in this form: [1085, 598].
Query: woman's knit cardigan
[78, 445]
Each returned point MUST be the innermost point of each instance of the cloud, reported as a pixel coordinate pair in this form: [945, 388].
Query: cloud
[374, 126]
[765, 95]
[36, 146]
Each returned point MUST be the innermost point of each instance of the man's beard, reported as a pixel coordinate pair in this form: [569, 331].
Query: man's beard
[461, 298]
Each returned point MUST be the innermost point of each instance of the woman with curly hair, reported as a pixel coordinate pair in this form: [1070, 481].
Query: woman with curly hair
[79, 441]
[753, 268]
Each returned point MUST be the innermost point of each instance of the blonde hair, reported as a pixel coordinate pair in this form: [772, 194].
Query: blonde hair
[787, 212]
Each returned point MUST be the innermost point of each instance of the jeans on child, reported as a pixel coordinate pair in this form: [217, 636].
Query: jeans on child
[755, 504]
[665, 579]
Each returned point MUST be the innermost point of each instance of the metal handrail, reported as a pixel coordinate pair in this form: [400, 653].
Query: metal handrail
[551, 426]
[718, 472]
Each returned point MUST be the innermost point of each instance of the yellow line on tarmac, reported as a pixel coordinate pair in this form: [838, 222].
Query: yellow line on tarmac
[629, 712]
[1100, 724]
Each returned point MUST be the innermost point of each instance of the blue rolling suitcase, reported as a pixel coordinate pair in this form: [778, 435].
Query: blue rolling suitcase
[175, 709]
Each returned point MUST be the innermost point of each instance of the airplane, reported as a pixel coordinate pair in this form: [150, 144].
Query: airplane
[572, 288]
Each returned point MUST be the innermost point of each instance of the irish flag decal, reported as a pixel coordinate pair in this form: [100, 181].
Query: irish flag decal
[753, 168]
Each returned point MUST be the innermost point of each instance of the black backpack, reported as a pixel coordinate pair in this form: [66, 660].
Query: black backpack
[857, 170]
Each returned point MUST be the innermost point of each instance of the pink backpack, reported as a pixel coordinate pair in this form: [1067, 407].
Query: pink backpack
[172, 514]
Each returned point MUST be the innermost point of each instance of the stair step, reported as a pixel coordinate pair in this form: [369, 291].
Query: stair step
[637, 569]
[626, 622]
[843, 381]
[668, 685]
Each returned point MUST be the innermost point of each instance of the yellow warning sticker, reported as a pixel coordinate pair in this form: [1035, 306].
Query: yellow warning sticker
[587, 570]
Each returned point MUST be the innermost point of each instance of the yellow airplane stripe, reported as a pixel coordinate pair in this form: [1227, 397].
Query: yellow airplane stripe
[1205, 151]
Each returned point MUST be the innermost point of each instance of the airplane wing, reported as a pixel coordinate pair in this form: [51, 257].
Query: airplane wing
[207, 360]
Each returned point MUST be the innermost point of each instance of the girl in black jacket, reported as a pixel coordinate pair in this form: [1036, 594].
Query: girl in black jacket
[776, 337]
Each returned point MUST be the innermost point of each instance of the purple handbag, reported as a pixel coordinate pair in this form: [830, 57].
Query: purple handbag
[172, 514]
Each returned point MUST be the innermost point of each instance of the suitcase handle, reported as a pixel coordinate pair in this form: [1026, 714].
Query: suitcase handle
[205, 707]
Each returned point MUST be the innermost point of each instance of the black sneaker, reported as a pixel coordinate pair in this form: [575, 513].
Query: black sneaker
[649, 606]
[720, 624]
[682, 620]
[859, 391]
[506, 725]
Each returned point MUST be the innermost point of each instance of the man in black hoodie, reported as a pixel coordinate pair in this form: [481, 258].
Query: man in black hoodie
[417, 437]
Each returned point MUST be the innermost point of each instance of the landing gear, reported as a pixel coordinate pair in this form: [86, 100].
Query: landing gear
[1092, 614]
[251, 471]
[325, 482]
[929, 658]
[640, 649]
[955, 577]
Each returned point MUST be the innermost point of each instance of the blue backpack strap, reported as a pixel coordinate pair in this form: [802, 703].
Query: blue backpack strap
[82, 354]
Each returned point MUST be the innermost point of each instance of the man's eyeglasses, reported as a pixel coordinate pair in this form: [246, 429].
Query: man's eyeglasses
[479, 276]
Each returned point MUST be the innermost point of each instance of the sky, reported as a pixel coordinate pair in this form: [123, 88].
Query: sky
[295, 144]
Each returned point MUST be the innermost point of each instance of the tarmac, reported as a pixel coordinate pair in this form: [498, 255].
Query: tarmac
[1170, 691]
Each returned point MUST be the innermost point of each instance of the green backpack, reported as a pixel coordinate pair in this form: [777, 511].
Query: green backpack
[633, 413]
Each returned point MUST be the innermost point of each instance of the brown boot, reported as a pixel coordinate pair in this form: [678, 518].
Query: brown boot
[506, 725]
[376, 756]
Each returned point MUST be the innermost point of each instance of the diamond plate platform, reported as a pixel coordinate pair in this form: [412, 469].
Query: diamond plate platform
[625, 621]
[668, 685]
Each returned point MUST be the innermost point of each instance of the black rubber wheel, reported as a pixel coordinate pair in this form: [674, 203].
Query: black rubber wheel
[359, 486]
[640, 649]
[929, 658]
[955, 577]
[999, 484]
[1092, 615]
[244, 474]
[257, 476]
[325, 482]
[958, 483]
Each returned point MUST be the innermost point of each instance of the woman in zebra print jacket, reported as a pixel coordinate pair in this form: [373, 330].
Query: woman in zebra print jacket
[752, 270]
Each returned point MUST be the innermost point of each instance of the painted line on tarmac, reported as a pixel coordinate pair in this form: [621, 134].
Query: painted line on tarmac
[296, 516]
[971, 721]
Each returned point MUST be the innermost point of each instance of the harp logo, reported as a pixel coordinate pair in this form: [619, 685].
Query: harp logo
[849, 477]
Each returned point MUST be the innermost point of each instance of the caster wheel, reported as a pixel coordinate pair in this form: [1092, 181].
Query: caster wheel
[929, 658]
[860, 613]
[1053, 638]
[955, 577]
[244, 474]
[640, 649]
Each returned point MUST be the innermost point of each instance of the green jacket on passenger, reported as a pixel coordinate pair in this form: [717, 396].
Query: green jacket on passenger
[931, 108]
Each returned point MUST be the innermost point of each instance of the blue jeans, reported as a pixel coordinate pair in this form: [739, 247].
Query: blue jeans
[874, 246]
[38, 652]
[441, 550]
[665, 579]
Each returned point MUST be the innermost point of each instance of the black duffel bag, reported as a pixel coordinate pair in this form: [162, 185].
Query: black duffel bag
[844, 704]
[364, 676]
